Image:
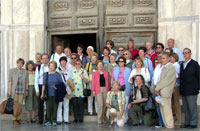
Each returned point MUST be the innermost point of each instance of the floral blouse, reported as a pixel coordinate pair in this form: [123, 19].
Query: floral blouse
[78, 82]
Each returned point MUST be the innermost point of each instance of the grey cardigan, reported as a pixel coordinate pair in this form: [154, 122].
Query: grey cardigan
[13, 77]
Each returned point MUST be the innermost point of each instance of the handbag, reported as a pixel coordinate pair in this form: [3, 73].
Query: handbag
[86, 92]
[9, 106]
[45, 97]
[149, 105]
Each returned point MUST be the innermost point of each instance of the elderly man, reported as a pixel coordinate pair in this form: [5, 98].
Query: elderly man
[189, 89]
[121, 50]
[40, 70]
[171, 43]
[165, 88]
[67, 52]
[57, 55]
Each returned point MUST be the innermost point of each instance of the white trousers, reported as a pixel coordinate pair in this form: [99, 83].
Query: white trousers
[65, 105]
[90, 101]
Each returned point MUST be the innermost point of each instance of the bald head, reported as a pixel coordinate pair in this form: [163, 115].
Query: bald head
[170, 43]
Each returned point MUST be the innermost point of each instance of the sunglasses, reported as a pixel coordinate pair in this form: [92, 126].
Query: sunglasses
[158, 47]
[78, 63]
[120, 50]
[125, 54]
[73, 58]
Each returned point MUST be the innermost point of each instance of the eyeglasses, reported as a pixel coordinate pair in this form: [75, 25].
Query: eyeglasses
[79, 48]
[78, 63]
[73, 58]
[125, 54]
[120, 61]
[158, 47]
[120, 50]
[185, 53]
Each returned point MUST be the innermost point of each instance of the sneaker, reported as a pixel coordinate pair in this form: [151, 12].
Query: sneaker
[47, 124]
[159, 100]
[54, 124]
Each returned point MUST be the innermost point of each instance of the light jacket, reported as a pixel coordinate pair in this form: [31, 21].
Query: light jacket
[127, 72]
[96, 81]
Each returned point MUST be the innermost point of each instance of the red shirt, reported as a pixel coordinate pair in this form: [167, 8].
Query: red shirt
[134, 52]
[151, 56]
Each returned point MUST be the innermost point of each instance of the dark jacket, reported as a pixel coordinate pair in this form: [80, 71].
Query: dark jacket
[60, 92]
[189, 79]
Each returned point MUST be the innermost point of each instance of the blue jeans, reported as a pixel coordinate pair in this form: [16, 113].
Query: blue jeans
[161, 123]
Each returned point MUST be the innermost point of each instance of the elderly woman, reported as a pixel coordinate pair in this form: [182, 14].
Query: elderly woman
[147, 62]
[105, 57]
[115, 103]
[131, 48]
[135, 106]
[31, 101]
[109, 67]
[91, 67]
[51, 78]
[140, 69]
[18, 86]
[100, 87]
[121, 74]
[129, 61]
[79, 77]
[89, 51]
[38, 58]
[150, 53]
[176, 94]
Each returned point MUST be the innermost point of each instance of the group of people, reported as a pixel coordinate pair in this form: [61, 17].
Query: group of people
[140, 86]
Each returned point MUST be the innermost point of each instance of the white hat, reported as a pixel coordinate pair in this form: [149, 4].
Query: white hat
[90, 47]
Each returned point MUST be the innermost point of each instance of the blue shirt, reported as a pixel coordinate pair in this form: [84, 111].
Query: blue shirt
[53, 79]
[179, 53]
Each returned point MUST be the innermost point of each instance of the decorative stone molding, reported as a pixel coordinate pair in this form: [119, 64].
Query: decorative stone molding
[144, 2]
[87, 4]
[117, 21]
[116, 3]
[61, 6]
[87, 22]
[61, 23]
[144, 20]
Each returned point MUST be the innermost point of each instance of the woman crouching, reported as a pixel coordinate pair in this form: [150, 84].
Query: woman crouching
[115, 103]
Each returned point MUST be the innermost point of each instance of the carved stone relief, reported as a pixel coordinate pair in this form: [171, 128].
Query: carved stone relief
[61, 23]
[116, 3]
[144, 20]
[87, 4]
[117, 20]
[61, 6]
[84, 22]
[144, 2]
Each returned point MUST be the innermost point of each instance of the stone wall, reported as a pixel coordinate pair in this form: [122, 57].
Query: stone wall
[23, 33]
[180, 19]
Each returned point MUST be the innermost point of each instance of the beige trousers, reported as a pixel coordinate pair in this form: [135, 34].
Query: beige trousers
[101, 102]
[176, 106]
[166, 112]
[18, 97]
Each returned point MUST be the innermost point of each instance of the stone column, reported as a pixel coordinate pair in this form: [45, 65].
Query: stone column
[23, 33]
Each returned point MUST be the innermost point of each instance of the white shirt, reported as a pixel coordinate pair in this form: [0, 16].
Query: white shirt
[113, 52]
[144, 72]
[70, 67]
[39, 76]
[56, 57]
[179, 53]
[157, 73]
[186, 63]
[177, 67]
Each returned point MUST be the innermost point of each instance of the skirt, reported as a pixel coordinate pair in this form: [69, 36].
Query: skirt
[31, 101]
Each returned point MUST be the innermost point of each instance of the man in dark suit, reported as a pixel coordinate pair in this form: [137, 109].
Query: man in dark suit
[189, 89]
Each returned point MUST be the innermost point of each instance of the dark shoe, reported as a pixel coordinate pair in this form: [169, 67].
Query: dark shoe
[75, 121]
[15, 122]
[192, 126]
[184, 126]
[28, 122]
[59, 123]
[81, 121]
[135, 124]
[40, 122]
[33, 121]
[67, 122]
[20, 122]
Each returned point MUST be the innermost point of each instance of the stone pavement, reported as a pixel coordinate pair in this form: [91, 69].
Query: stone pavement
[6, 125]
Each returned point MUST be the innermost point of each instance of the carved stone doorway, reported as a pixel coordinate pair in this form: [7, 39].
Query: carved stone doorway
[73, 40]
